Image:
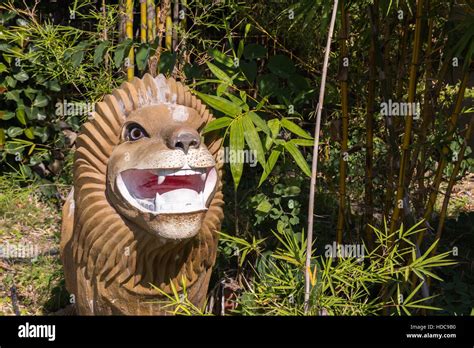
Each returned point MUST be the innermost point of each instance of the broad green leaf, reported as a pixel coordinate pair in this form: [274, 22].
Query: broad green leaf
[294, 128]
[121, 52]
[167, 63]
[40, 101]
[14, 131]
[298, 157]
[254, 51]
[271, 161]
[3, 67]
[264, 206]
[21, 76]
[6, 115]
[20, 115]
[236, 143]
[221, 75]
[142, 57]
[253, 140]
[53, 85]
[77, 58]
[99, 52]
[249, 69]
[2, 137]
[29, 133]
[223, 105]
[218, 123]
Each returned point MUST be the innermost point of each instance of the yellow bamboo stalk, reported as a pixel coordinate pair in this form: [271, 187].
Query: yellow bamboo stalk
[169, 33]
[143, 21]
[129, 35]
[345, 127]
[443, 160]
[409, 118]
[150, 20]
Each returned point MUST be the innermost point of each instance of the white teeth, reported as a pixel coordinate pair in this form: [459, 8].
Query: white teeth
[161, 179]
[158, 202]
[203, 176]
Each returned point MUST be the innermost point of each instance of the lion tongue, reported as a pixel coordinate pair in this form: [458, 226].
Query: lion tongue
[178, 200]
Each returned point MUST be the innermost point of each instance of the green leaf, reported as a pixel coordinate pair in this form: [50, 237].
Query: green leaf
[2, 137]
[167, 62]
[99, 52]
[20, 115]
[3, 67]
[271, 161]
[302, 142]
[53, 85]
[77, 58]
[21, 76]
[6, 115]
[295, 129]
[122, 51]
[142, 57]
[252, 139]
[221, 75]
[40, 101]
[218, 123]
[298, 157]
[223, 105]
[29, 133]
[259, 122]
[221, 58]
[14, 131]
[236, 143]
[254, 51]
[264, 206]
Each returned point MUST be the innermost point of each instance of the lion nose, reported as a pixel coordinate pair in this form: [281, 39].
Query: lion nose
[185, 140]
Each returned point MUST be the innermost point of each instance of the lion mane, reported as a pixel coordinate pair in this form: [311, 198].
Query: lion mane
[110, 268]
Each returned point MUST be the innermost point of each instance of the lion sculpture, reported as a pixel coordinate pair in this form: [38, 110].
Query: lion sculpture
[146, 204]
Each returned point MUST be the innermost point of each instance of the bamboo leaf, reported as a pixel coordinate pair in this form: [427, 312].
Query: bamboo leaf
[252, 138]
[216, 124]
[298, 157]
[294, 128]
[272, 159]
[221, 104]
[236, 143]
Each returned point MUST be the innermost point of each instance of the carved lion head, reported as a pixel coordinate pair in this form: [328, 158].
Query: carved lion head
[161, 175]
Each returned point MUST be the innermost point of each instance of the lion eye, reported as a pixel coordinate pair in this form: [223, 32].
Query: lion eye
[135, 132]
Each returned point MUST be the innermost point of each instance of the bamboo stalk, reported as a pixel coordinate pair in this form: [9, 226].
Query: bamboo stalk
[129, 35]
[175, 24]
[150, 17]
[168, 33]
[409, 119]
[161, 15]
[345, 126]
[369, 125]
[143, 21]
[314, 166]
[443, 160]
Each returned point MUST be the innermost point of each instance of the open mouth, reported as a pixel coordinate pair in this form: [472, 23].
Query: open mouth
[168, 191]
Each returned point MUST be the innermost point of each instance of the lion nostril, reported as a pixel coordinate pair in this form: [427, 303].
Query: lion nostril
[185, 141]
